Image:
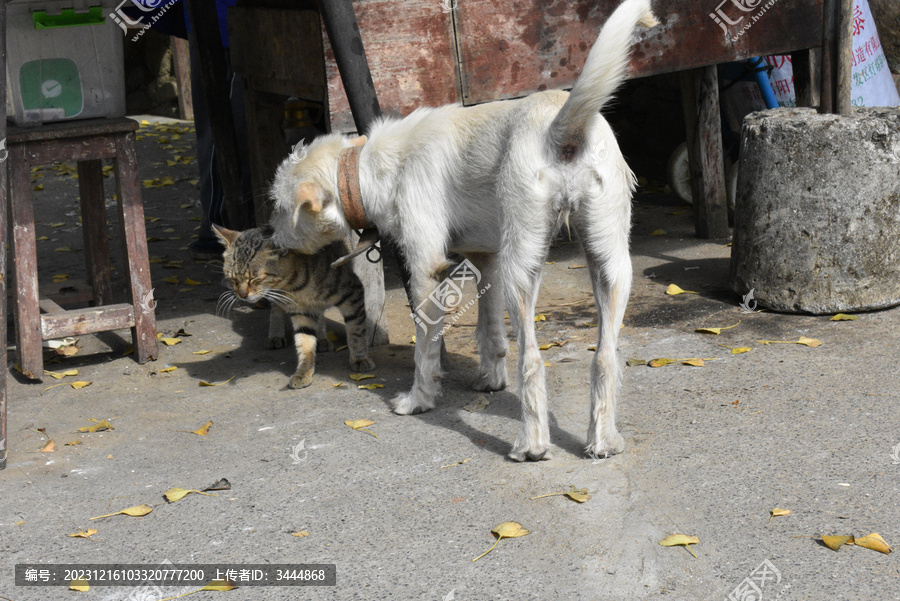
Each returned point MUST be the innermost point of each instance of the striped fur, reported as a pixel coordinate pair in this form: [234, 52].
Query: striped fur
[301, 287]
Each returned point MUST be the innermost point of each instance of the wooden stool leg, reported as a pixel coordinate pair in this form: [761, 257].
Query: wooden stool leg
[131, 217]
[28, 314]
[96, 241]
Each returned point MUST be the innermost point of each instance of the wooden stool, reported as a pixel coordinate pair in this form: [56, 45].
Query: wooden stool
[86, 142]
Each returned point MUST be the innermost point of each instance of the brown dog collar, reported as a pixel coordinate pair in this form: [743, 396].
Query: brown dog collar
[348, 188]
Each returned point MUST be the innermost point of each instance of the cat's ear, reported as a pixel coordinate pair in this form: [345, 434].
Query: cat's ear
[309, 197]
[358, 141]
[226, 235]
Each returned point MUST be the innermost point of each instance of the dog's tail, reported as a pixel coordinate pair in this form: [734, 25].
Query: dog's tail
[603, 73]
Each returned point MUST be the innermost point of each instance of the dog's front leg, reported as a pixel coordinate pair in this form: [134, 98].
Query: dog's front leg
[533, 441]
[429, 317]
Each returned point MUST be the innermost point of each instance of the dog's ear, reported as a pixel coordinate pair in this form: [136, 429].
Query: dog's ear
[226, 235]
[359, 141]
[309, 197]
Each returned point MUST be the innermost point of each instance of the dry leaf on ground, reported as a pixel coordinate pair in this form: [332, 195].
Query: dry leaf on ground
[579, 495]
[372, 386]
[778, 512]
[100, 426]
[844, 317]
[81, 586]
[49, 447]
[300, 534]
[505, 530]
[360, 424]
[674, 289]
[201, 431]
[358, 377]
[176, 494]
[635, 362]
[83, 534]
[479, 404]
[680, 540]
[222, 484]
[206, 383]
[835, 542]
[875, 542]
[136, 511]
[717, 331]
[811, 342]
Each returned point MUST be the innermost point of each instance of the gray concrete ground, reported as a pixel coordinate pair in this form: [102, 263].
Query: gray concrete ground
[711, 450]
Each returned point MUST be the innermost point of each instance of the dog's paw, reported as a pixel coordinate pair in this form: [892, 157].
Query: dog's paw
[275, 342]
[490, 382]
[606, 447]
[409, 404]
[361, 365]
[301, 380]
[535, 452]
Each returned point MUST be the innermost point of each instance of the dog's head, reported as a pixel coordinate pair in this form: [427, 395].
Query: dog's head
[307, 213]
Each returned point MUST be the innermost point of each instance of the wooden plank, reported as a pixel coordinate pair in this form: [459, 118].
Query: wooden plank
[3, 225]
[181, 61]
[843, 69]
[72, 129]
[277, 44]
[512, 48]
[49, 307]
[28, 321]
[93, 230]
[411, 55]
[131, 220]
[266, 146]
[829, 57]
[69, 149]
[86, 321]
[700, 97]
[801, 61]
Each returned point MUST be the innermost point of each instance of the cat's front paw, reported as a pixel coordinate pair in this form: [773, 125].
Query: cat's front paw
[301, 380]
[360, 365]
[274, 342]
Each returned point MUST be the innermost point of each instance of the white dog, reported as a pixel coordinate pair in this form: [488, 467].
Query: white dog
[492, 182]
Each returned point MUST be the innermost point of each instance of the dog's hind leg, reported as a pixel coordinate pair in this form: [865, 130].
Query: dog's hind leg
[429, 317]
[491, 331]
[533, 441]
[610, 267]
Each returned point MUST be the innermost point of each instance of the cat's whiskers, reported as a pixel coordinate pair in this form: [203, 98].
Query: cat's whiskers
[280, 298]
[225, 303]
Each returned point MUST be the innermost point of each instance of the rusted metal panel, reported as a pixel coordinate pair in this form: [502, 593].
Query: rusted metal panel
[411, 53]
[512, 48]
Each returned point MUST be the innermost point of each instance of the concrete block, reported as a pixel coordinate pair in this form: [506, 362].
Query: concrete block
[817, 216]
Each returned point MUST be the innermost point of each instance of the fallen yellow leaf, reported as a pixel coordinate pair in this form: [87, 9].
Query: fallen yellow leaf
[176, 494]
[370, 386]
[696, 362]
[682, 540]
[166, 370]
[80, 385]
[203, 352]
[659, 232]
[300, 534]
[190, 282]
[716, 331]
[660, 362]
[219, 585]
[81, 586]
[812, 342]
[540, 317]
[83, 534]
[136, 511]
[576, 494]
[74, 443]
[673, 289]
[577, 266]
[835, 542]
[58, 375]
[779, 512]
[49, 447]
[505, 530]
[205, 383]
[172, 280]
[202, 430]
[875, 542]
[844, 317]
[358, 377]
[477, 405]
[170, 341]
[360, 424]
[635, 362]
[101, 426]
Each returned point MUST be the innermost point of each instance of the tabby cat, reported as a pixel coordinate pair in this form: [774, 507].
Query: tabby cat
[302, 286]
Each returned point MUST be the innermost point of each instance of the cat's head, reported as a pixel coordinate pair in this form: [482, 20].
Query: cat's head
[307, 213]
[251, 262]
